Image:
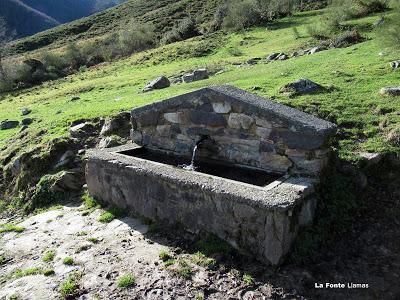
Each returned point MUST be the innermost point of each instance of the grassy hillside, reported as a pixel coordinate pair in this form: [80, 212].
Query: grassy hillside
[162, 13]
[27, 17]
[355, 75]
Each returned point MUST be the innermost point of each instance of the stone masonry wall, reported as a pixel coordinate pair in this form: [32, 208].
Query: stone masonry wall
[244, 129]
[259, 222]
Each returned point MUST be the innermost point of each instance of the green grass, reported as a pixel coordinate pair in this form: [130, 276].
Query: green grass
[82, 233]
[126, 281]
[93, 240]
[165, 255]
[33, 271]
[49, 256]
[356, 73]
[11, 228]
[111, 214]
[248, 279]
[202, 260]
[69, 261]
[106, 217]
[70, 286]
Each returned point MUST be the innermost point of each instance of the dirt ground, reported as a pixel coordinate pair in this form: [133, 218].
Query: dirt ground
[367, 254]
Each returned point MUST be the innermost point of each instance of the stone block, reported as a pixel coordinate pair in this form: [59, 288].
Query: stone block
[275, 162]
[240, 121]
[199, 117]
[222, 107]
[163, 130]
[263, 132]
[176, 117]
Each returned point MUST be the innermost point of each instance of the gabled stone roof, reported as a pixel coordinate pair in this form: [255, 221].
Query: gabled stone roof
[294, 119]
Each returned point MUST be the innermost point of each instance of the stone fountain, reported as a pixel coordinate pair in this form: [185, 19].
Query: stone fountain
[252, 179]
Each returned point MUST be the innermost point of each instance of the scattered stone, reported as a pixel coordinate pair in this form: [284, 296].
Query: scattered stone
[23, 128]
[253, 61]
[81, 130]
[156, 84]
[283, 56]
[395, 64]
[273, 56]
[370, 159]
[390, 91]
[301, 87]
[71, 180]
[67, 158]
[119, 125]
[315, 50]
[25, 111]
[74, 98]
[8, 124]
[111, 141]
[27, 121]
[199, 74]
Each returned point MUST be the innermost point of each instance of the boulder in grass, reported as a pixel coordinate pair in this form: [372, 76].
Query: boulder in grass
[8, 124]
[25, 111]
[390, 91]
[199, 74]
[156, 84]
[395, 64]
[301, 87]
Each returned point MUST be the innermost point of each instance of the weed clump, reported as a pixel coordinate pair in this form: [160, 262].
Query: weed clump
[111, 214]
[11, 228]
[70, 287]
[164, 255]
[49, 256]
[126, 281]
[69, 261]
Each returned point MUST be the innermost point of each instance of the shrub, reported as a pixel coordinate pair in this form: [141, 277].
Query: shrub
[367, 7]
[74, 56]
[185, 29]
[389, 33]
[52, 60]
[136, 38]
[241, 15]
[106, 217]
[126, 281]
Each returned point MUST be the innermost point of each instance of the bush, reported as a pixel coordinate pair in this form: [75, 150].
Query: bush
[184, 30]
[246, 13]
[136, 38]
[241, 15]
[389, 33]
[367, 7]
[74, 56]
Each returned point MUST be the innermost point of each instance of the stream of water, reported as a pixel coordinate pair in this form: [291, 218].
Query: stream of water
[191, 167]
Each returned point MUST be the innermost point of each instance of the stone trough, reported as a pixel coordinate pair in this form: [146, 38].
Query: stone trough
[257, 164]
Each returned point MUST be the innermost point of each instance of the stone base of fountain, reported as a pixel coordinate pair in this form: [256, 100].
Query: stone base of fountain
[260, 220]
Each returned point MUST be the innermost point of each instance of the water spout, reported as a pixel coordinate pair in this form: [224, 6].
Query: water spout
[192, 167]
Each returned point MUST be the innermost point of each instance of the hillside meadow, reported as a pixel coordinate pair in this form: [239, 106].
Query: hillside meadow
[354, 76]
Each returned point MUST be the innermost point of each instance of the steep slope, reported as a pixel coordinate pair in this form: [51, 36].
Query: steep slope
[28, 17]
[24, 19]
[162, 13]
